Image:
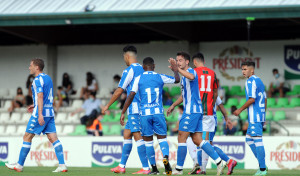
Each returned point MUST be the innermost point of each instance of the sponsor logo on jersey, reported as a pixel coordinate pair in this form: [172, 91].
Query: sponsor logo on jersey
[3, 150]
[231, 58]
[106, 153]
[286, 155]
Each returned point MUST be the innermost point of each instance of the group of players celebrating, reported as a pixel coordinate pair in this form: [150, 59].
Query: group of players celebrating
[146, 114]
[200, 99]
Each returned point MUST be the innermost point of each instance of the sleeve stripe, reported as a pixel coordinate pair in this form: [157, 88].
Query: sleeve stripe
[128, 79]
[41, 81]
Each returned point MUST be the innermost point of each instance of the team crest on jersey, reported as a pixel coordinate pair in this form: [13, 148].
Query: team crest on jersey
[106, 154]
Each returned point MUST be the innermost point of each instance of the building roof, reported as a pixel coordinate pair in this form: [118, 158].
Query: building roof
[64, 12]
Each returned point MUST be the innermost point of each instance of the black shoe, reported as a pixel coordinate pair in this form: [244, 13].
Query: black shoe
[168, 168]
[154, 172]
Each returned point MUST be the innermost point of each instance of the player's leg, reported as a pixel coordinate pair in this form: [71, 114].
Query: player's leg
[160, 128]
[50, 131]
[127, 146]
[249, 139]
[27, 138]
[141, 147]
[147, 131]
[192, 148]
[260, 149]
[204, 156]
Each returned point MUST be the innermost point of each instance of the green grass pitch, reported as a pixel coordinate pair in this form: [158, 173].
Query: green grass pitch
[80, 171]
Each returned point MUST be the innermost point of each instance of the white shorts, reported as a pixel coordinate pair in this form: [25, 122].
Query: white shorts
[209, 123]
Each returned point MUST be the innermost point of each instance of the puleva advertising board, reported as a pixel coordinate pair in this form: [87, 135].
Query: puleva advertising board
[281, 152]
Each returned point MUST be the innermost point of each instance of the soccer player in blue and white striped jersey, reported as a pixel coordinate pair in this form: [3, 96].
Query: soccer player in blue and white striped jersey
[132, 128]
[149, 86]
[42, 118]
[191, 120]
[256, 104]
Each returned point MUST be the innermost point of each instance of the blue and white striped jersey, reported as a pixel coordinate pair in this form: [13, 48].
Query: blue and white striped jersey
[255, 88]
[43, 84]
[149, 85]
[190, 94]
[126, 83]
[218, 102]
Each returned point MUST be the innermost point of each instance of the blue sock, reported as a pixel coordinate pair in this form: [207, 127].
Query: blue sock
[164, 146]
[150, 152]
[199, 156]
[222, 155]
[205, 145]
[260, 150]
[141, 148]
[24, 152]
[59, 152]
[251, 144]
[181, 154]
[127, 146]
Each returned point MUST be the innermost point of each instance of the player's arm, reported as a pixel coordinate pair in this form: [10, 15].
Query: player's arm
[127, 77]
[246, 105]
[215, 89]
[174, 68]
[227, 120]
[176, 103]
[40, 103]
[186, 74]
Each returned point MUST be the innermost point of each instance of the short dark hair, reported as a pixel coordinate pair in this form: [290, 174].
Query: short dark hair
[118, 77]
[93, 93]
[149, 61]
[275, 70]
[130, 48]
[185, 55]
[248, 63]
[198, 56]
[38, 62]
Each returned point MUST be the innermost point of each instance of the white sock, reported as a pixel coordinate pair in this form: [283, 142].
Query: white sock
[192, 149]
[205, 158]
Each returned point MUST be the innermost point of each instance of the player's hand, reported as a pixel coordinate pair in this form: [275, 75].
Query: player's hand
[170, 110]
[229, 125]
[122, 119]
[237, 112]
[41, 120]
[104, 109]
[173, 65]
[30, 108]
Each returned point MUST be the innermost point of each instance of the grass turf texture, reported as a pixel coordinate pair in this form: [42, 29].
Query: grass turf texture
[83, 171]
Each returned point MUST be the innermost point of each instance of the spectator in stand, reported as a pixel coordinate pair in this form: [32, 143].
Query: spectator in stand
[91, 85]
[175, 129]
[235, 123]
[28, 97]
[94, 126]
[278, 85]
[91, 106]
[61, 99]
[167, 99]
[221, 92]
[67, 84]
[19, 100]
[116, 79]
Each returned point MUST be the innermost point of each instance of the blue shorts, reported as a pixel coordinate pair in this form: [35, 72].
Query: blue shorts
[255, 129]
[191, 122]
[154, 124]
[34, 127]
[133, 123]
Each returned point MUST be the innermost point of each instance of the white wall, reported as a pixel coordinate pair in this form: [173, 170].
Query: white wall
[14, 63]
[107, 60]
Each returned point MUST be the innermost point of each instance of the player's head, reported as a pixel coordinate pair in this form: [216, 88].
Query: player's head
[130, 52]
[198, 59]
[148, 64]
[183, 60]
[248, 68]
[36, 66]
[19, 91]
